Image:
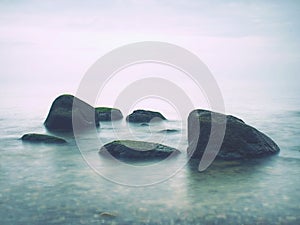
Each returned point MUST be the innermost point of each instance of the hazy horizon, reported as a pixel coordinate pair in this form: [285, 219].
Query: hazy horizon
[46, 47]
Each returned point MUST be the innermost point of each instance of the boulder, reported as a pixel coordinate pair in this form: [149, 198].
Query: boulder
[109, 114]
[241, 141]
[42, 138]
[137, 150]
[60, 114]
[144, 116]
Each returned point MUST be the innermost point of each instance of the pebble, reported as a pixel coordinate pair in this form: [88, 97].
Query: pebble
[107, 214]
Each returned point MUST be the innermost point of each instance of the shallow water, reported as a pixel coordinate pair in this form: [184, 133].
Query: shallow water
[54, 184]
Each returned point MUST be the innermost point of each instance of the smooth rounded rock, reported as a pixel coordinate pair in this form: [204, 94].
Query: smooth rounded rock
[109, 114]
[137, 150]
[241, 141]
[145, 116]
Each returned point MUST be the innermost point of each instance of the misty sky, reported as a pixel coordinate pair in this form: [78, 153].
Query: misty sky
[48, 42]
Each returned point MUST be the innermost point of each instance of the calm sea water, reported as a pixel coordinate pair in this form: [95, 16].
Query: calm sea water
[50, 184]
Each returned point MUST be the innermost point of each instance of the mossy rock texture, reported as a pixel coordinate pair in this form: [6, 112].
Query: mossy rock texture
[42, 138]
[129, 149]
[241, 141]
[145, 116]
[109, 114]
[67, 110]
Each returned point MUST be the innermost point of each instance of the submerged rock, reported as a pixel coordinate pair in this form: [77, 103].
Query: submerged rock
[60, 114]
[144, 116]
[241, 141]
[137, 150]
[107, 214]
[169, 131]
[42, 138]
[109, 114]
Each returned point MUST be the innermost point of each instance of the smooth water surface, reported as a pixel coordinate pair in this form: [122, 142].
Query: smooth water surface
[53, 184]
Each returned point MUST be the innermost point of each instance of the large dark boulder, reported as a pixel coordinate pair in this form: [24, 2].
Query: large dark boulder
[241, 141]
[109, 114]
[127, 149]
[60, 114]
[144, 116]
[42, 138]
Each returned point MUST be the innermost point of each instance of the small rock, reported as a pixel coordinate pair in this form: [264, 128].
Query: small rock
[107, 214]
[137, 150]
[42, 138]
[168, 131]
[109, 114]
[144, 116]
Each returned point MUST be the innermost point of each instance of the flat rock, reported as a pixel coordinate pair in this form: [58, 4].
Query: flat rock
[137, 150]
[60, 116]
[241, 141]
[169, 131]
[144, 116]
[42, 138]
[109, 114]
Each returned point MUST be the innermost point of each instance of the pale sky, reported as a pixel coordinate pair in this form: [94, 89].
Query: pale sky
[55, 41]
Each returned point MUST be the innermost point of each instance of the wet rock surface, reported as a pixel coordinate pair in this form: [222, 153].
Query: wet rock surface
[63, 109]
[145, 116]
[109, 114]
[241, 141]
[42, 138]
[137, 150]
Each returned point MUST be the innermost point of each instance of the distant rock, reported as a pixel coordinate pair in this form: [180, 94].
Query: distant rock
[42, 138]
[144, 116]
[109, 114]
[60, 114]
[241, 141]
[137, 150]
[169, 131]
